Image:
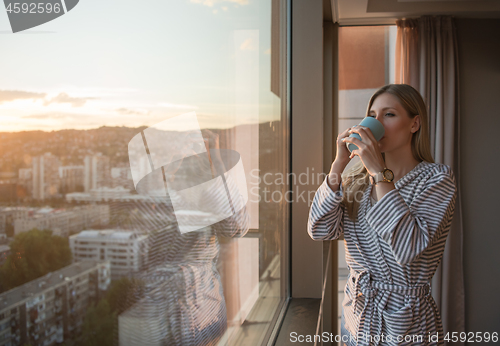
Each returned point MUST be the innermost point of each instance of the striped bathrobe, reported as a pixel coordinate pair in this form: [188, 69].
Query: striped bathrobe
[392, 252]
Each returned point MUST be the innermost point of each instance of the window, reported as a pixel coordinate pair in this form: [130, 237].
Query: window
[72, 109]
[366, 63]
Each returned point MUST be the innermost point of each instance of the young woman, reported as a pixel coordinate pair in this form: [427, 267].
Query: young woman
[394, 209]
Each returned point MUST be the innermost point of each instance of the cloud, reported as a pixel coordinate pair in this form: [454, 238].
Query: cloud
[65, 98]
[47, 116]
[12, 95]
[211, 3]
[128, 111]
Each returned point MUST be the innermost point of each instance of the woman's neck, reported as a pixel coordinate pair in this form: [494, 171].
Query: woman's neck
[400, 163]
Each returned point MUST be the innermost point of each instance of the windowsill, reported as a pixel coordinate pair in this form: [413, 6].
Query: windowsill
[301, 317]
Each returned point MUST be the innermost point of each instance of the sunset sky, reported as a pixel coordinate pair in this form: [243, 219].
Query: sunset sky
[133, 63]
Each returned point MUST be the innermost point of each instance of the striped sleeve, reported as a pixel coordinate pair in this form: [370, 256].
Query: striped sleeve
[326, 214]
[411, 230]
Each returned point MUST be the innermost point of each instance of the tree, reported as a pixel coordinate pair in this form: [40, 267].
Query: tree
[101, 321]
[98, 326]
[124, 293]
[34, 254]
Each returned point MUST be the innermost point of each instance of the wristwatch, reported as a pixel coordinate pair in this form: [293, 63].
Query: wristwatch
[385, 176]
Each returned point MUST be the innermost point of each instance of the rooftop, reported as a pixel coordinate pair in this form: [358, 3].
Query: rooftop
[37, 286]
[107, 234]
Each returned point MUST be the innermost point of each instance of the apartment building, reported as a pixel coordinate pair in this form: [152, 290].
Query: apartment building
[45, 173]
[64, 222]
[108, 194]
[49, 310]
[96, 171]
[8, 215]
[125, 250]
[71, 178]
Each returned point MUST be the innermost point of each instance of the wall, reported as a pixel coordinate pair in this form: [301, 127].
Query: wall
[307, 141]
[479, 64]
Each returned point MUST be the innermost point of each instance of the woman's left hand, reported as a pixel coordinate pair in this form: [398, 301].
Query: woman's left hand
[368, 150]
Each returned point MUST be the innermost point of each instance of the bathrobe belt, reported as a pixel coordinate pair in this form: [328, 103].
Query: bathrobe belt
[370, 313]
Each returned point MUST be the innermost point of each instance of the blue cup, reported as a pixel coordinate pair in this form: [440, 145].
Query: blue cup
[374, 125]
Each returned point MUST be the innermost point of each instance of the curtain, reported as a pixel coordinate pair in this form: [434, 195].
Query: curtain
[427, 59]
[407, 52]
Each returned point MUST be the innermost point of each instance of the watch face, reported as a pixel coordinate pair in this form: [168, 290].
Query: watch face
[388, 175]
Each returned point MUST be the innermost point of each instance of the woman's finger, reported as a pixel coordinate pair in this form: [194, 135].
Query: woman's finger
[344, 134]
[354, 141]
[364, 132]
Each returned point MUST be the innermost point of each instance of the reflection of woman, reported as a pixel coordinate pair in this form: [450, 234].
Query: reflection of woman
[183, 301]
[394, 209]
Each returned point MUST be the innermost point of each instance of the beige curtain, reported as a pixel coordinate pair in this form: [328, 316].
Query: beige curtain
[427, 59]
[407, 52]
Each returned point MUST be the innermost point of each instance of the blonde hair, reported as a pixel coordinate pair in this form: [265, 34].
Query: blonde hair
[355, 180]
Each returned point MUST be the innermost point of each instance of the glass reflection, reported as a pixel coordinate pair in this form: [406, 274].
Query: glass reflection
[178, 297]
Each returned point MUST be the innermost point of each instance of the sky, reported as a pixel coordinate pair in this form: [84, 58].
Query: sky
[133, 63]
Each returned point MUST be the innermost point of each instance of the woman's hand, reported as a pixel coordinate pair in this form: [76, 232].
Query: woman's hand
[341, 160]
[368, 150]
[342, 151]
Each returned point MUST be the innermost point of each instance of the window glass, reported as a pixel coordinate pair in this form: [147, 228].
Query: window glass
[153, 130]
[366, 63]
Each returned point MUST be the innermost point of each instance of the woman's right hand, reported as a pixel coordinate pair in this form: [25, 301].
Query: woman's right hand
[341, 161]
[342, 152]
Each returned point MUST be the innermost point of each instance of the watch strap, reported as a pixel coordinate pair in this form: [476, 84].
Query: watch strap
[379, 177]
[376, 178]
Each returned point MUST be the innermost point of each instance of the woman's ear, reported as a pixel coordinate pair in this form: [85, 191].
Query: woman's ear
[416, 123]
